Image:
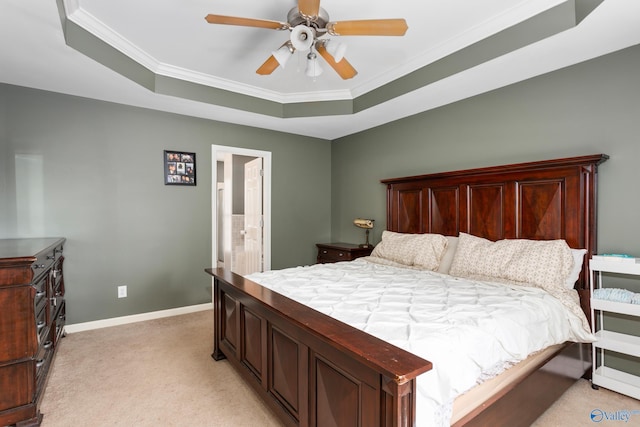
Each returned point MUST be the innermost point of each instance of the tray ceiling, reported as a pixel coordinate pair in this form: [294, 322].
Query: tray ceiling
[164, 55]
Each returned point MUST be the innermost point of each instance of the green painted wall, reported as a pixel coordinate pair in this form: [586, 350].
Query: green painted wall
[4, 205]
[103, 190]
[589, 108]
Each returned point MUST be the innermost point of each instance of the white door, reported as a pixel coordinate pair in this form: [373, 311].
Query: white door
[253, 223]
[222, 155]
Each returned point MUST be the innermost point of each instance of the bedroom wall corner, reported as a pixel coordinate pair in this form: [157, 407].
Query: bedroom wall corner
[103, 189]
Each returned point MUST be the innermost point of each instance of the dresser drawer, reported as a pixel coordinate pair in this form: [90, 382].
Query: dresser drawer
[42, 264]
[15, 390]
[18, 339]
[42, 327]
[335, 252]
[332, 255]
[40, 298]
[58, 283]
[57, 327]
[43, 360]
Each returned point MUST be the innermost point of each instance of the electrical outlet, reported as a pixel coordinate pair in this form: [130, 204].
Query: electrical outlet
[122, 291]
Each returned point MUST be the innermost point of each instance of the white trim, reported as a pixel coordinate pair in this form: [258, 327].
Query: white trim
[116, 321]
[217, 152]
[113, 38]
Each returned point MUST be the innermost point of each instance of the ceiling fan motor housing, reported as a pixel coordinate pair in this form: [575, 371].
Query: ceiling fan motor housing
[295, 18]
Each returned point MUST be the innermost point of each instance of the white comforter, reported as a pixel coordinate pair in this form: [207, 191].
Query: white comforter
[469, 330]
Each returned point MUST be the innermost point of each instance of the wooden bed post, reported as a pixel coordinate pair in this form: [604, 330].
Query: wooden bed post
[398, 406]
[217, 323]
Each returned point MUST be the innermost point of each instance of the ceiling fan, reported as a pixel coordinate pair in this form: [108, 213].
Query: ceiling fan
[309, 24]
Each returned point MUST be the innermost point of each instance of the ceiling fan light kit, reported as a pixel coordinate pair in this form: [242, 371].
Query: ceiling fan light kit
[313, 66]
[308, 22]
[283, 53]
[337, 50]
[302, 37]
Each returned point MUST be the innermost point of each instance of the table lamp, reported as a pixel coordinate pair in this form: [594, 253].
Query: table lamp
[367, 224]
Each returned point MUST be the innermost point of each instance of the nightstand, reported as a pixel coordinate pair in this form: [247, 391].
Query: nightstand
[334, 252]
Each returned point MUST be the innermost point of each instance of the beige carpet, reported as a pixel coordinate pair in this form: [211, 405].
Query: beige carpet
[153, 373]
[578, 404]
[160, 373]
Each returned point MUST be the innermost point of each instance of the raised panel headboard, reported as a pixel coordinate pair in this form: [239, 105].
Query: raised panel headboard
[551, 199]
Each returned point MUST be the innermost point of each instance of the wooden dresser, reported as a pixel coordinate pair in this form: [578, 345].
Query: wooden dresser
[32, 318]
[334, 252]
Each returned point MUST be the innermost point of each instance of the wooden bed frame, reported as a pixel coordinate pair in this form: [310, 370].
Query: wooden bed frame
[313, 370]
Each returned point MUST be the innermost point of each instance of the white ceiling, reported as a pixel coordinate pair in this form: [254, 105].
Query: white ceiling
[171, 38]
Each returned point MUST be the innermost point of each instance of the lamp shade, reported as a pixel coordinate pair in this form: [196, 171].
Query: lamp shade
[363, 223]
[283, 54]
[301, 37]
[313, 65]
[337, 50]
[367, 224]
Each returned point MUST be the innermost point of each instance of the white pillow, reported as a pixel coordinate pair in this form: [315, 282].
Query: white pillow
[420, 250]
[540, 263]
[447, 258]
[578, 259]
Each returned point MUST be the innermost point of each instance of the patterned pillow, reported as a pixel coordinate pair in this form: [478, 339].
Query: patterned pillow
[541, 263]
[419, 250]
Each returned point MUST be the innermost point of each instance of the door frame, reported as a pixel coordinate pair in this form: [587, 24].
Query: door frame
[218, 152]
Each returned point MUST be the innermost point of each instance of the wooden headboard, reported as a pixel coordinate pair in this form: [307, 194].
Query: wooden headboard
[552, 199]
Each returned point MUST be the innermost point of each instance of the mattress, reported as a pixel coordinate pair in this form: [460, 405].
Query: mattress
[470, 330]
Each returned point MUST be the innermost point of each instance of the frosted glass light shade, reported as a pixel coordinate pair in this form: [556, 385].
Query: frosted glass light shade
[301, 37]
[313, 66]
[337, 50]
[283, 54]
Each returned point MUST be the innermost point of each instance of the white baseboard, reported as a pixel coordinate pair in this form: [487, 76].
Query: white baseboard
[115, 321]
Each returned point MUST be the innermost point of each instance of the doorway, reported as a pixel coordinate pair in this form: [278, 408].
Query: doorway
[241, 209]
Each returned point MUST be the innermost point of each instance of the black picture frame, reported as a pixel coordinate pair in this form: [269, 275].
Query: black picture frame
[179, 168]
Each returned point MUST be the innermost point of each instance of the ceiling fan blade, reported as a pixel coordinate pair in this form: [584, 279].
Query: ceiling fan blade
[246, 22]
[368, 27]
[309, 7]
[268, 67]
[343, 68]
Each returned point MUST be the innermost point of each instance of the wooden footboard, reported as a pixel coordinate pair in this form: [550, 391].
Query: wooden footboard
[310, 368]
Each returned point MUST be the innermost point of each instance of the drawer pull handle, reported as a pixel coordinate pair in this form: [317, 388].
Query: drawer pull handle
[39, 363]
[47, 345]
[39, 266]
[41, 324]
[41, 294]
[341, 254]
[324, 252]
